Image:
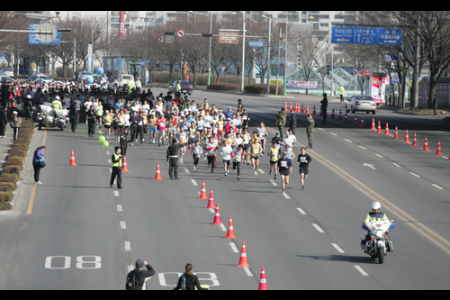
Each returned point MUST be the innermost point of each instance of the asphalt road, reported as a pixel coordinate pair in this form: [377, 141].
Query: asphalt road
[305, 240]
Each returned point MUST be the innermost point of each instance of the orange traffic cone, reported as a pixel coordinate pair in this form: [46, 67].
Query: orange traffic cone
[230, 232]
[340, 115]
[125, 166]
[386, 130]
[332, 114]
[307, 109]
[158, 173]
[243, 259]
[362, 122]
[346, 118]
[298, 107]
[415, 140]
[72, 160]
[379, 127]
[425, 146]
[373, 125]
[406, 137]
[262, 281]
[355, 122]
[302, 111]
[285, 105]
[290, 106]
[217, 220]
[203, 195]
[211, 200]
[396, 133]
[438, 151]
[314, 111]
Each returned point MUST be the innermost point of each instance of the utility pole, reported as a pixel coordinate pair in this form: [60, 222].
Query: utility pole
[243, 51]
[278, 63]
[268, 54]
[415, 87]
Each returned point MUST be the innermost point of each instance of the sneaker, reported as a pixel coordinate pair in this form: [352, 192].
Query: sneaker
[275, 177]
[303, 187]
[111, 186]
[248, 163]
[132, 144]
[283, 192]
[245, 161]
[38, 182]
[119, 187]
[256, 173]
[212, 170]
[159, 144]
[215, 165]
[238, 178]
[270, 172]
[163, 143]
[225, 174]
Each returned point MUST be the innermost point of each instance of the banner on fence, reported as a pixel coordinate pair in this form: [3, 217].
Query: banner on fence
[302, 85]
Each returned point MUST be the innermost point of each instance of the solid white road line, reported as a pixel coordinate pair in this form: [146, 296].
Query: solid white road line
[396, 165]
[223, 227]
[273, 182]
[127, 246]
[444, 157]
[362, 148]
[247, 270]
[261, 171]
[361, 270]
[123, 225]
[116, 194]
[320, 128]
[186, 170]
[286, 196]
[338, 248]
[211, 210]
[378, 155]
[119, 208]
[333, 133]
[194, 182]
[348, 141]
[301, 211]
[318, 228]
[234, 248]
[436, 186]
[414, 174]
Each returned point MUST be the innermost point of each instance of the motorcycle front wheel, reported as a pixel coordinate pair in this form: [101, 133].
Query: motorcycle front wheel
[380, 254]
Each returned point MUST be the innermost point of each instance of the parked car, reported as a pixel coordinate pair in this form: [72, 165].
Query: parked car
[83, 75]
[361, 103]
[186, 87]
[123, 79]
[40, 78]
[6, 79]
[6, 72]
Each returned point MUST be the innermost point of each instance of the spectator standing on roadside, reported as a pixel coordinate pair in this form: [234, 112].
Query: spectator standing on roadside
[3, 121]
[293, 122]
[435, 105]
[310, 130]
[139, 277]
[38, 156]
[281, 119]
[17, 122]
[188, 281]
[341, 93]
[323, 107]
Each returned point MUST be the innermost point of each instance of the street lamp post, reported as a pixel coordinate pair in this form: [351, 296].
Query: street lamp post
[74, 47]
[210, 41]
[268, 54]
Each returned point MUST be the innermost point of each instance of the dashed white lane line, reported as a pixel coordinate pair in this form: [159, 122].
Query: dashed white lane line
[414, 174]
[361, 270]
[116, 194]
[107, 152]
[396, 165]
[378, 155]
[286, 196]
[362, 148]
[436, 186]
[338, 248]
[127, 246]
[211, 210]
[333, 133]
[186, 170]
[119, 208]
[123, 225]
[234, 248]
[318, 228]
[223, 227]
[301, 211]
[247, 270]
[320, 128]
[109, 161]
[445, 157]
[261, 171]
[348, 141]
[194, 182]
[273, 182]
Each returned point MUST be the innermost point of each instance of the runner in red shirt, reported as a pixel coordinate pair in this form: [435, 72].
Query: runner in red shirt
[161, 125]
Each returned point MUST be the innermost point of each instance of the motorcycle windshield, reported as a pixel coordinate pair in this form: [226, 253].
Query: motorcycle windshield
[374, 226]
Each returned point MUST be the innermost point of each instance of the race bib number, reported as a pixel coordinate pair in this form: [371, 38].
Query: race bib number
[302, 159]
[220, 127]
[245, 140]
[140, 123]
[256, 151]
[238, 157]
[275, 156]
[261, 135]
[244, 118]
[153, 125]
[284, 164]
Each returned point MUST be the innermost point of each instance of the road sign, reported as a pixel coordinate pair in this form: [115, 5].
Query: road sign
[223, 68]
[169, 39]
[228, 37]
[366, 35]
[43, 39]
[342, 35]
[161, 39]
[207, 35]
[391, 57]
[186, 69]
[255, 44]
[181, 33]
[390, 36]
[142, 63]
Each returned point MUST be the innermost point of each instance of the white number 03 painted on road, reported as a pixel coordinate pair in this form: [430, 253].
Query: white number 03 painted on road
[212, 277]
[88, 262]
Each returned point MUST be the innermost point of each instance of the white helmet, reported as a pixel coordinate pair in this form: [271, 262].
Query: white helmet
[376, 205]
[57, 98]
[28, 96]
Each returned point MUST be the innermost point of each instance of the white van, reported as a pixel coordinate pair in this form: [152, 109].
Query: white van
[123, 79]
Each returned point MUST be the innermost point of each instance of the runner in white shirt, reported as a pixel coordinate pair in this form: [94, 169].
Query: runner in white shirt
[238, 140]
[226, 156]
[207, 118]
[262, 132]
[289, 140]
[146, 107]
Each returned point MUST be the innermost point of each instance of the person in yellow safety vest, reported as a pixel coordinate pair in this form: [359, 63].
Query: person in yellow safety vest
[178, 89]
[116, 163]
[138, 86]
[130, 86]
[99, 113]
[341, 93]
[56, 104]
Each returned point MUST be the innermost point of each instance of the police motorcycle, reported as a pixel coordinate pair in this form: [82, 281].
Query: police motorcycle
[379, 245]
[49, 118]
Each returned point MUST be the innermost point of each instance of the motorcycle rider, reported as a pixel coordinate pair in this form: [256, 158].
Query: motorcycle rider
[374, 216]
[56, 104]
[28, 105]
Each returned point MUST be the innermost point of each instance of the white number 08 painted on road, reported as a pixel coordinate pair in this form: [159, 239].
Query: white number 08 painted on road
[87, 262]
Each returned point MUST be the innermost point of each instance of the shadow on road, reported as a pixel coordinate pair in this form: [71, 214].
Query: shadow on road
[344, 258]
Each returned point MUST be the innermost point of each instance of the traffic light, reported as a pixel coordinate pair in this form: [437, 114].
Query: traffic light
[328, 70]
[169, 33]
[207, 35]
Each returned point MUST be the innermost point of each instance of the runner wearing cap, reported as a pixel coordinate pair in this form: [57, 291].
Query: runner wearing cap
[284, 164]
[237, 159]
[161, 125]
[193, 133]
[262, 133]
[220, 126]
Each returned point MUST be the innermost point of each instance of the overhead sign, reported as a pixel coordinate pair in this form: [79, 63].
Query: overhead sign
[181, 33]
[391, 57]
[161, 39]
[43, 39]
[228, 37]
[366, 35]
[302, 85]
[255, 44]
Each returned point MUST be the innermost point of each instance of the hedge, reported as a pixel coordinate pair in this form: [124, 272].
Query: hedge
[9, 178]
[6, 196]
[19, 146]
[20, 153]
[5, 206]
[12, 170]
[12, 185]
[223, 86]
[262, 88]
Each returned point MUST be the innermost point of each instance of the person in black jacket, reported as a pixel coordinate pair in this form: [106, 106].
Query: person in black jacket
[293, 122]
[28, 106]
[91, 121]
[3, 121]
[141, 275]
[73, 115]
[134, 121]
[188, 281]
[123, 141]
[324, 106]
